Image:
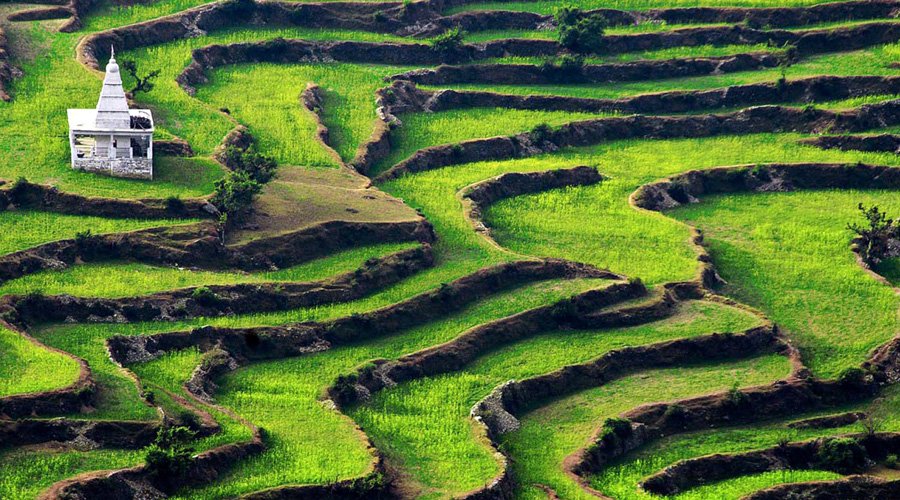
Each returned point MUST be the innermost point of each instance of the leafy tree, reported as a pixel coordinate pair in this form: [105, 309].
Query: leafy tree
[579, 32]
[141, 83]
[259, 167]
[844, 455]
[235, 193]
[170, 454]
[875, 235]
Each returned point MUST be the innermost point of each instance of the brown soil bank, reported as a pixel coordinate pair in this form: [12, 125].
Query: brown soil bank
[83, 434]
[141, 482]
[886, 143]
[689, 187]
[852, 488]
[806, 455]
[453, 355]
[778, 17]
[28, 196]
[760, 119]
[798, 394]
[406, 98]
[807, 43]
[220, 300]
[296, 339]
[199, 245]
[518, 74]
[65, 401]
[228, 14]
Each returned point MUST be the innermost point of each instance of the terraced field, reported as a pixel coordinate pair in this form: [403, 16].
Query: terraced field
[494, 261]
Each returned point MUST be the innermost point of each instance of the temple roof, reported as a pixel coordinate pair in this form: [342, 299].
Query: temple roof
[85, 120]
[112, 107]
[112, 113]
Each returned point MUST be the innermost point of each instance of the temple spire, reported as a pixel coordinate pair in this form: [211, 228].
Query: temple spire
[112, 107]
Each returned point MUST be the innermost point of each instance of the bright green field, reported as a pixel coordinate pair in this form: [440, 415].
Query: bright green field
[424, 425]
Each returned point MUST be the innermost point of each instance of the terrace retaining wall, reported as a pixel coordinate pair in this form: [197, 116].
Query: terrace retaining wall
[884, 143]
[220, 300]
[29, 196]
[589, 132]
[687, 474]
[199, 245]
[777, 17]
[854, 487]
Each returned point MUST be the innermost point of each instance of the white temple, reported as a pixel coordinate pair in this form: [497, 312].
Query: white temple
[112, 139]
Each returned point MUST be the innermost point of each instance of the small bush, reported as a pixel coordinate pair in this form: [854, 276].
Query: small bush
[235, 193]
[449, 43]
[579, 32]
[86, 242]
[259, 167]
[205, 297]
[541, 133]
[853, 377]
[620, 426]
[843, 455]
[17, 189]
[875, 235]
[735, 398]
[170, 454]
[188, 419]
[344, 389]
[675, 413]
[141, 83]
[174, 204]
[891, 462]
[567, 64]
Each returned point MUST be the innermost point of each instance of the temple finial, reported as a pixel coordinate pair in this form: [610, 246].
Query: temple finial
[112, 52]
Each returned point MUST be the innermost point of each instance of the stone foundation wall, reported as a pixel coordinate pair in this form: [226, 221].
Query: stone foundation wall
[131, 168]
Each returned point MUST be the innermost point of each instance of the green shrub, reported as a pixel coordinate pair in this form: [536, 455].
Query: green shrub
[343, 391]
[259, 167]
[541, 133]
[188, 419]
[566, 66]
[18, 188]
[579, 32]
[620, 426]
[735, 398]
[875, 235]
[140, 83]
[891, 462]
[853, 377]
[174, 204]
[844, 455]
[205, 297]
[235, 193]
[675, 413]
[170, 454]
[86, 242]
[449, 43]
